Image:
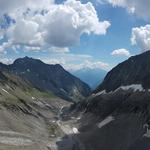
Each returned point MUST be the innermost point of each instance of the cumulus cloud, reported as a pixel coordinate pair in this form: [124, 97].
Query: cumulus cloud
[138, 7]
[45, 24]
[141, 37]
[25, 33]
[14, 6]
[121, 52]
[93, 64]
[81, 18]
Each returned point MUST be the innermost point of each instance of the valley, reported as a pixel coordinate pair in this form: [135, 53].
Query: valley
[31, 118]
[34, 118]
[74, 75]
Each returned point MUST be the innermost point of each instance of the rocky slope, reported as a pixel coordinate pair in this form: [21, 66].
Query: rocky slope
[135, 70]
[28, 116]
[119, 120]
[49, 78]
[117, 115]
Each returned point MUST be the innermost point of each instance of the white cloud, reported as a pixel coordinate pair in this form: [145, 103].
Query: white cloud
[2, 31]
[6, 60]
[15, 6]
[59, 49]
[47, 25]
[141, 37]
[73, 19]
[25, 33]
[92, 64]
[76, 62]
[4, 46]
[138, 7]
[121, 52]
[29, 48]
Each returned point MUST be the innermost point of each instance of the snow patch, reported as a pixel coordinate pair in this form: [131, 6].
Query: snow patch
[67, 129]
[106, 121]
[147, 134]
[100, 93]
[134, 87]
[5, 91]
[78, 118]
[75, 130]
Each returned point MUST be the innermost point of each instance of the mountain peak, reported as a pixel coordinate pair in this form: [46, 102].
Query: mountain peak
[27, 59]
[47, 77]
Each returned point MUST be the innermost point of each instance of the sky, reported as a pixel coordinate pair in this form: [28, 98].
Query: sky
[75, 34]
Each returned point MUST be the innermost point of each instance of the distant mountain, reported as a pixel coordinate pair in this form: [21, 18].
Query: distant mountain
[93, 77]
[46, 77]
[135, 70]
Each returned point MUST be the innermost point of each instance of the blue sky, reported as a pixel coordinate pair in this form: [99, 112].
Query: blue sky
[94, 49]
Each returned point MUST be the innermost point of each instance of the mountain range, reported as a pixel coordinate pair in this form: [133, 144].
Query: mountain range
[53, 78]
[92, 76]
[32, 97]
[33, 116]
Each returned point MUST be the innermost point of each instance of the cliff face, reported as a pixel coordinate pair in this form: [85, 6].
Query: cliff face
[135, 70]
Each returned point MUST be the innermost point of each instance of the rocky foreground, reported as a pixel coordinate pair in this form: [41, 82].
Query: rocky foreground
[30, 119]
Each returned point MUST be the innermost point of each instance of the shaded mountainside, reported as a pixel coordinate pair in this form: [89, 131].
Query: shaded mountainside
[49, 78]
[28, 116]
[93, 77]
[135, 70]
[117, 115]
[118, 120]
